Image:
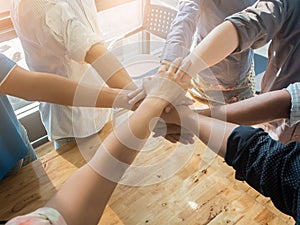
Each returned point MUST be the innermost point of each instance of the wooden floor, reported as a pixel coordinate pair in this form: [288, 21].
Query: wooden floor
[202, 191]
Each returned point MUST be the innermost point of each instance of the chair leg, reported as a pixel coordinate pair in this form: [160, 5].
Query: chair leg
[145, 42]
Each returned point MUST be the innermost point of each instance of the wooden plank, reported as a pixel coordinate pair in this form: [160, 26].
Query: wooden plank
[7, 31]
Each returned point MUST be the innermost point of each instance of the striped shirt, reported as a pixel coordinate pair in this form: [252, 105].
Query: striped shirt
[294, 90]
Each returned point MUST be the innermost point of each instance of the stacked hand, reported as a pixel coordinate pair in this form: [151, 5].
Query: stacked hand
[169, 84]
[181, 73]
[173, 133]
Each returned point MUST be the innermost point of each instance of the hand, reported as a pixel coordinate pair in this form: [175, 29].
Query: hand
[139, 94]
[173, 133]
[164, 67]
[136, 96]
[167, 89]
[122, 101]
[175, 126]
[183, 76]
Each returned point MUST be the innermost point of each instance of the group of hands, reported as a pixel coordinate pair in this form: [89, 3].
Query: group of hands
[169, 84]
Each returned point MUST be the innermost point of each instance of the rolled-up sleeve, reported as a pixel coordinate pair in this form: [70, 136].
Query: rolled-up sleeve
[6, 65]
[42, 216]
[68, 30]
[270, 167]
[183, 28]
[257, 24]
[294, 90]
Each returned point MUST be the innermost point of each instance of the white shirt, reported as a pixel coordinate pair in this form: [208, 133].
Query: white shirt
[55, 35]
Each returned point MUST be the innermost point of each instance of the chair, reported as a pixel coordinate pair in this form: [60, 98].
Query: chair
[157, 20]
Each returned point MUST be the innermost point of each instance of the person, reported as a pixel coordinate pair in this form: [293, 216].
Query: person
[93, 189]
[271, 21]
[267, 165]
[230, 80]
[16, 150]
[63, 37]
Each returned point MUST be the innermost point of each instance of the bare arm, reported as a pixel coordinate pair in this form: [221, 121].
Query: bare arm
[45, 87]
[259, 109]
[215, 47]
[95, 182]
[211, 131]
[93, 190]
[109, 68]
[114, 156]
[263, 108]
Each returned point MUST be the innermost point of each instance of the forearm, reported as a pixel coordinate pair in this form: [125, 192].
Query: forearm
[96, 181]
[215, 47]
[214, 133]
[109, 68]
[51, 88]
[39, 87]
[210, 131]
[262, 108]
[133, 133]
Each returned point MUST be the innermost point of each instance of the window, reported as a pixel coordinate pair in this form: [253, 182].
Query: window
[27, 112]
[110, 15]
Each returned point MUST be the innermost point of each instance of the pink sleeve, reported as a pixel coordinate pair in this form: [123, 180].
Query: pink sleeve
[42, 216]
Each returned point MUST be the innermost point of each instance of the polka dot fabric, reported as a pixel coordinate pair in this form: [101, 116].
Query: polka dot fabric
[269, 166]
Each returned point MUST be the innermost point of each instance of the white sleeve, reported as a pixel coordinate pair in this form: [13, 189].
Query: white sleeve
[67, 29]
[180, 37]
[294, 90]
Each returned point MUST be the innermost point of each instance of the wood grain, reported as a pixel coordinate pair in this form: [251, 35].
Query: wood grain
[202, 191]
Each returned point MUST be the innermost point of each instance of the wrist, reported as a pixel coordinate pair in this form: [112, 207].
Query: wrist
[156, 102]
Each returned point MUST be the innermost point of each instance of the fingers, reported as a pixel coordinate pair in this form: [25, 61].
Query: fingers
[182, 71]
[179, 74]
[173, 68]
[164, 129]
[164, 66]
[185, 101]
[136, 96]
[182, 138]
[174, 138]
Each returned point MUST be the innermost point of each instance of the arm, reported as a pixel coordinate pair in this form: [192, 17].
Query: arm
[259, 109]
[264, 163]
[212, 132]
[250, 28]
[215, 47]
[180, 36]
[263, 108]
[59, 90]
[84, 45]
[109, 68]
[93, 190]
[96, 181]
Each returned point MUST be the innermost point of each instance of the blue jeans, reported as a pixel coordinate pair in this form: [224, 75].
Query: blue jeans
[31, 156]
